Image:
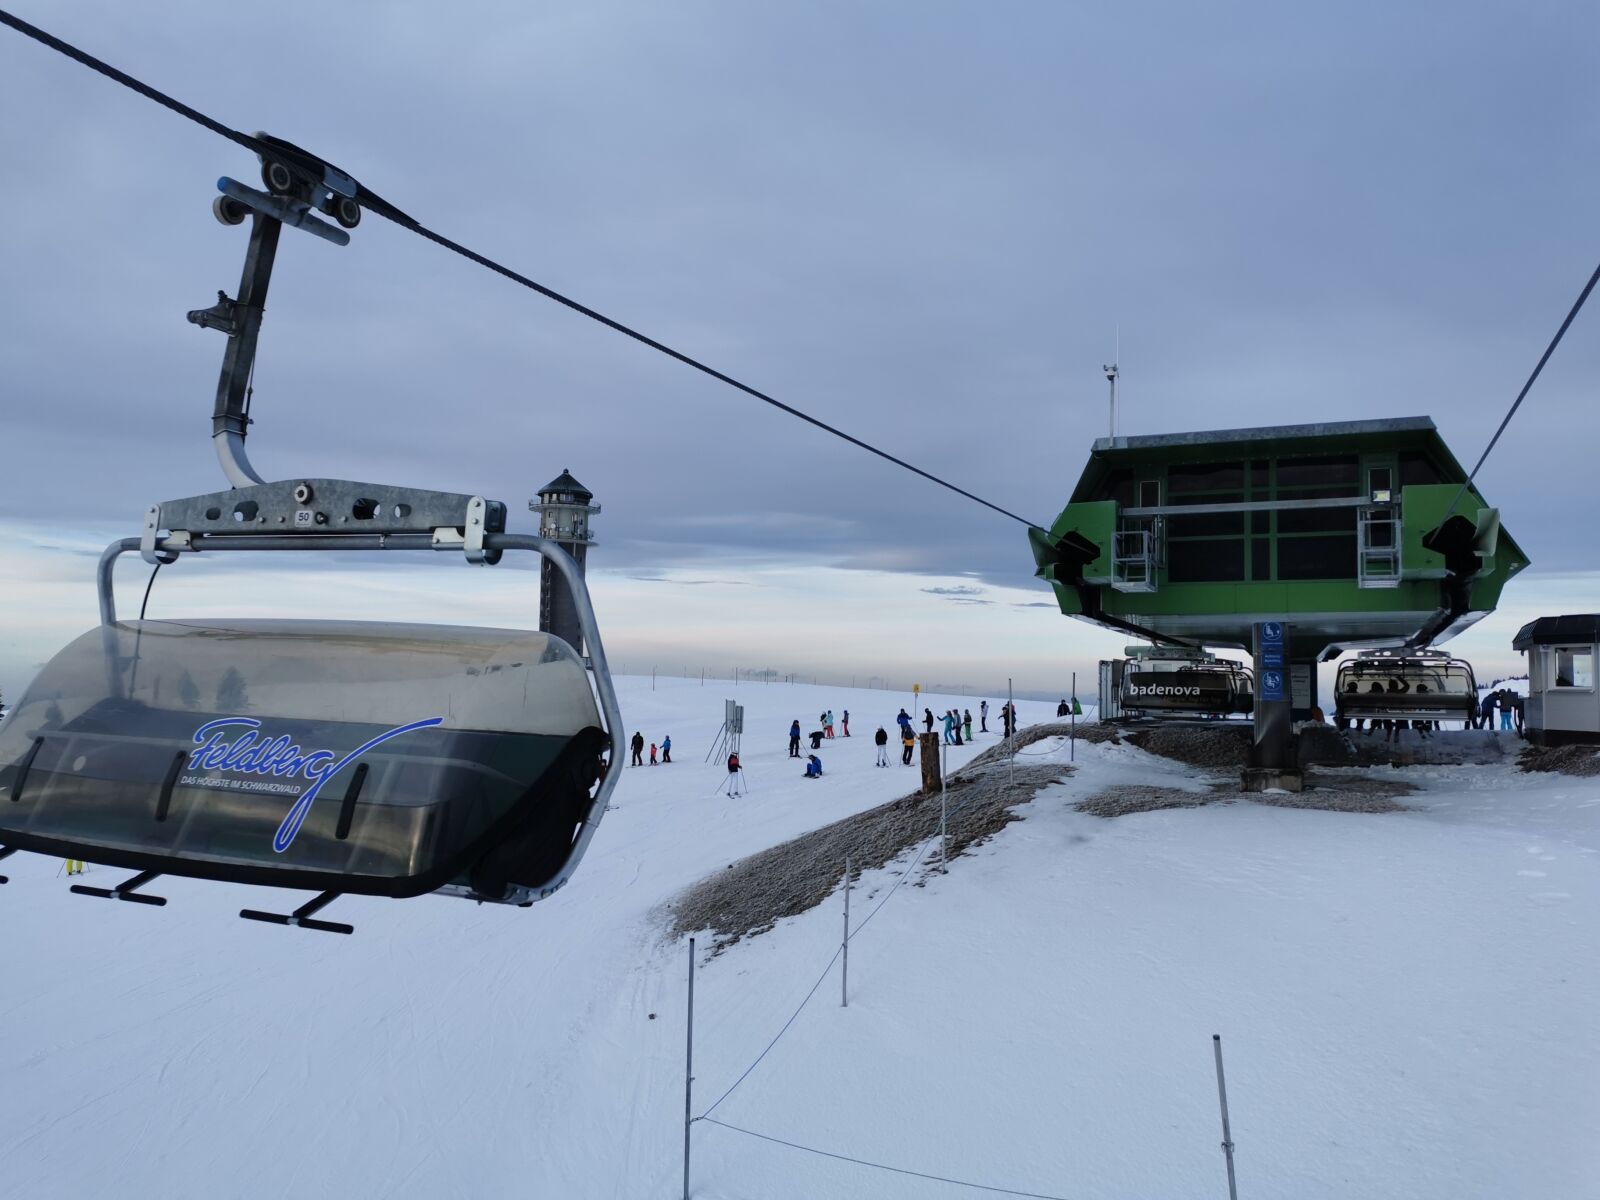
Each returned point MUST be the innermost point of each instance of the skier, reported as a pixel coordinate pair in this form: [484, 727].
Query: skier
[827, 724]
[927, 715]
[846, 723]
[652, 754]
[638, 749]
[967, 721]
[816, 739]
[75, 866]
[666, 748]
[1062, 709]
[813, 767]
[908, 741]
[1507, 713]
[903, 720]
[949, 728]
[1005, 720]
[983, 717]
[881, 738]
[735, 774]
[794, 740]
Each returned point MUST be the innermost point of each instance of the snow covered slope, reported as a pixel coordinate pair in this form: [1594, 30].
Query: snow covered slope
[1406, 1003]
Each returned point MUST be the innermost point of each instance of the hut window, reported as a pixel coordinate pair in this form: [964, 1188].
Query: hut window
[1573, 666]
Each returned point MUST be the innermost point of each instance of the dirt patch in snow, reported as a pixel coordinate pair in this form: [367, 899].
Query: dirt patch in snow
[1124, 799]
[1329, 793]
[1564, 760]
[1198, 745]
[755, 893]
[1227, 745]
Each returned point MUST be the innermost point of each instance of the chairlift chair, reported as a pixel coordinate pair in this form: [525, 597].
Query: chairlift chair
[337, 756]
[1198, 686]
[1404, 685]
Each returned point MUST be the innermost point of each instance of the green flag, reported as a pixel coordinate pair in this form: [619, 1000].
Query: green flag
[1077, 709]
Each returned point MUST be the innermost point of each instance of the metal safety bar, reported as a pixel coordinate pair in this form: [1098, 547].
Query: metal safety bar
[550, 551]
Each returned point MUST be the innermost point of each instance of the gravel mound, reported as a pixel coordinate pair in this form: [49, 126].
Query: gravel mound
[755, 893]
[1137, 798]
[1198, 745]
[1331, 793]
[1342, 793]
[1566, 760]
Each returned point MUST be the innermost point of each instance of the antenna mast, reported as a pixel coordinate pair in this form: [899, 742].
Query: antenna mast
[1111, 375]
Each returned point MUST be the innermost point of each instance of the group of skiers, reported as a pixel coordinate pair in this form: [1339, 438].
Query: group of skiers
[956, 724]
[637, 746]
[1510, 705]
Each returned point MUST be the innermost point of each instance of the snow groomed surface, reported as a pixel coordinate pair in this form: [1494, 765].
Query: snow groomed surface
[1406, 1002]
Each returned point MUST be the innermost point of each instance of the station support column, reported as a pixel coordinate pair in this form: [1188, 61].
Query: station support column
[1274, 760]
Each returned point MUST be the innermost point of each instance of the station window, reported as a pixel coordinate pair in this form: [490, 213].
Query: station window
[1205, 477]
[1260, 559]
[1219, 561]
[1206, 525]
[1572, 666]
[1319, 556]
[1417, 468]
[1150, 493]
[1118, 486]
[1341, 471]
[1317, 520]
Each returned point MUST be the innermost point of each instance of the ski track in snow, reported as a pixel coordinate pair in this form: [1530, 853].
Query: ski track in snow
[1406, 1003]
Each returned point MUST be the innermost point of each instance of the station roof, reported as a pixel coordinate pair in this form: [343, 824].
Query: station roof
[1385, 428]
[1577, 628]
[1265, 441]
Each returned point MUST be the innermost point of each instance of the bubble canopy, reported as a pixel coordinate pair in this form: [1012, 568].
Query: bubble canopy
[381, 759]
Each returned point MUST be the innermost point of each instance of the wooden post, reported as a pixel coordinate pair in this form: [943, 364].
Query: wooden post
[932, 777]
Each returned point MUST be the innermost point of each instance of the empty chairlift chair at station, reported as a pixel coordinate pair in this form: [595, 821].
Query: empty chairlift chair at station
[1404, 685]
[358, 757]
[1158, 682]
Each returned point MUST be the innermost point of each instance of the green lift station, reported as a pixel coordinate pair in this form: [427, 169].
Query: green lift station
[1353, 534]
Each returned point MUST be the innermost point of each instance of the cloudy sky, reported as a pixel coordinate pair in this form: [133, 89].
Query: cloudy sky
[924, 222]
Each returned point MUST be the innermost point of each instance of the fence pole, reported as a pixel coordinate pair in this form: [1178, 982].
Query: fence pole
[844, 975]
[1072, 752]
[1222, 1099]
[688, 1075]
[944, 809]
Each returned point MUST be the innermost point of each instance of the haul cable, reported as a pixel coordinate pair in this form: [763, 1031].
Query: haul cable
[389, 211]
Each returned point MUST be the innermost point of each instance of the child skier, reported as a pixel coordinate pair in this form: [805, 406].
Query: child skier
[652, 754]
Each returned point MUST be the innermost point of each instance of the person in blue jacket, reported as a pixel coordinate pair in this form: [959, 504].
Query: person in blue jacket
[666, 748]
[794, 740]
[949, 728]
[813, 767]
